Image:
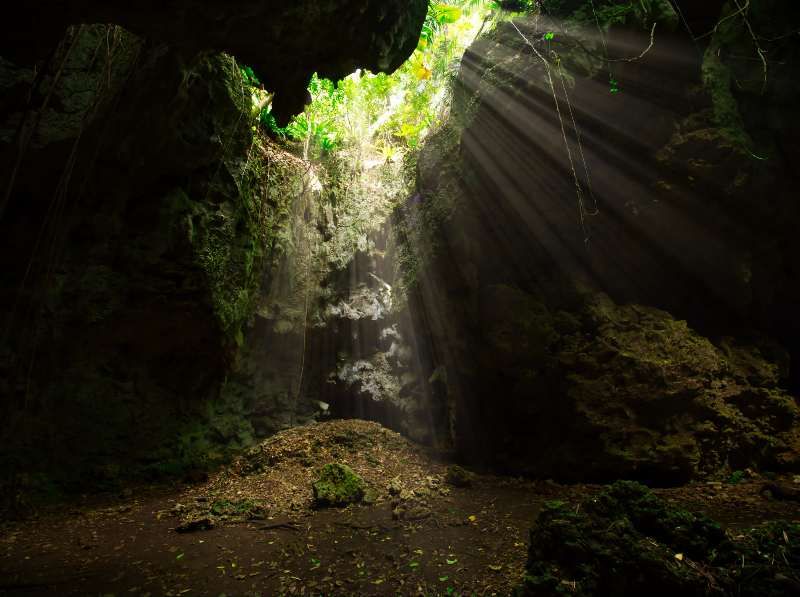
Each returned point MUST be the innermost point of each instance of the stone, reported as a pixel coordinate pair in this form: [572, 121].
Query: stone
[458, 476]
[196, 522]
[626, 541]
[337, 485]
[408, 505]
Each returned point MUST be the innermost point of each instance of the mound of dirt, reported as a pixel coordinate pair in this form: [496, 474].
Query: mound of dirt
[276, 477]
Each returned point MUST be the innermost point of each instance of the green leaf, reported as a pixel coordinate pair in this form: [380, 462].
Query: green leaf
[446, 14]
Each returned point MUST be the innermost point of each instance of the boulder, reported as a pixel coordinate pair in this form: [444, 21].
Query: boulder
[627, 541]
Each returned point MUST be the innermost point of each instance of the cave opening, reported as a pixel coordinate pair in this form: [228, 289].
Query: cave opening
[388, 297]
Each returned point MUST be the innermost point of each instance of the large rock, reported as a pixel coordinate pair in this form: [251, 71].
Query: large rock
[626, 541]
[628, 391]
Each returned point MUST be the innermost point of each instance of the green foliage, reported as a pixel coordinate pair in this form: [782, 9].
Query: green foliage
[359, 132]
[316, 127]
[605, 15]
[771, 560]
[736, 477]
[439, 15]
[378, 110]
[514, 5]
[267, 120]
[604, 545]
[250, 77]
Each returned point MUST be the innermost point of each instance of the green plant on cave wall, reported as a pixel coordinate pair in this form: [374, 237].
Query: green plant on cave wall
[359, 131]
[316, 127]
[380, 109]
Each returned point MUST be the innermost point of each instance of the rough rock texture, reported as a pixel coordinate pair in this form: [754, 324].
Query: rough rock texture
[285, 41]
[627, 541]
[534, 289]
[133, 248]
[142, 223]
[641, 395]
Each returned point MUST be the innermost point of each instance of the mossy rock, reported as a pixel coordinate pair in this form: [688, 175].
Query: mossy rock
[337, 485]
[459, 476]
[628, 541]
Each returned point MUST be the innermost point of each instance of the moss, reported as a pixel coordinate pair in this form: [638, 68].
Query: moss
[718, 82]
[247, 509]
[224, 227]
[643, 395]
[627, 541]
[337, 485]
[683, 531]
[418, 223]
[620, 543]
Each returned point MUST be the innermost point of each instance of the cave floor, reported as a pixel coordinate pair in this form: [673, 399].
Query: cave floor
[452, 540]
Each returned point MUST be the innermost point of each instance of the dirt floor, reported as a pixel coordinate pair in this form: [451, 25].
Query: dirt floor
[251, 529]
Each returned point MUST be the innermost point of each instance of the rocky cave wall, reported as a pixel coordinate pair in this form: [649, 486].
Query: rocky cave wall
[657, 338]
[143, 220]
[167, 276]
[284, 41]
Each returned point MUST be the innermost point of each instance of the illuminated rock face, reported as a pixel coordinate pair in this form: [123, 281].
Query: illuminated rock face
[679, 216]
[284, 41]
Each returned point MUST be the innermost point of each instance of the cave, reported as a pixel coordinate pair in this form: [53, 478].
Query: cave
[400, 297]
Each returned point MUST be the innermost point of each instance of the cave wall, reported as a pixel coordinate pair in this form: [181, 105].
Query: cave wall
[285, 42]
[132, 259]
[655, 338]
[144, 219]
